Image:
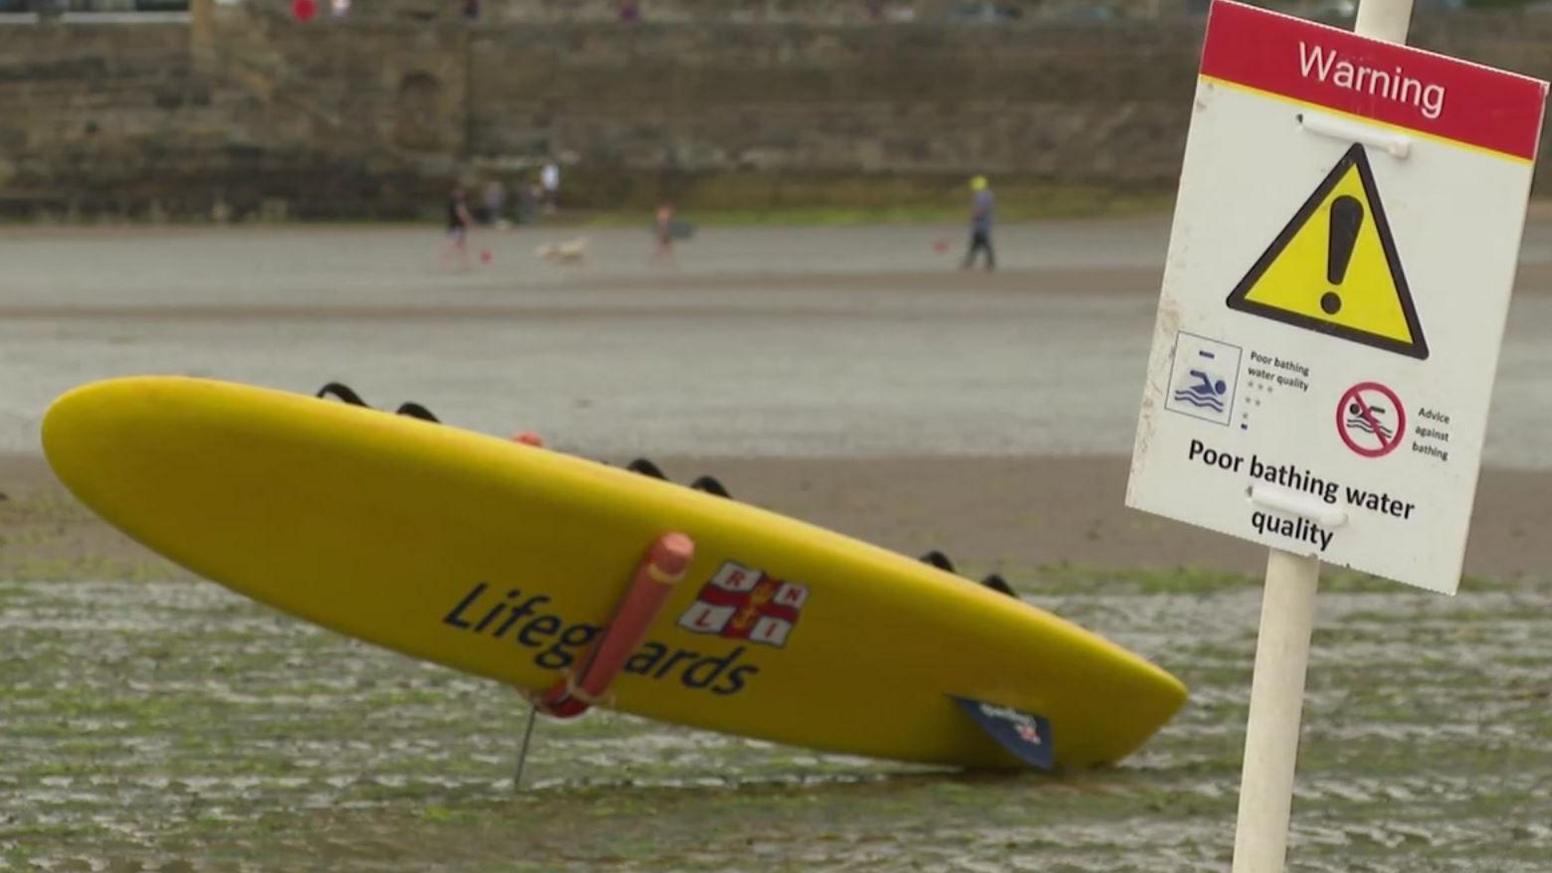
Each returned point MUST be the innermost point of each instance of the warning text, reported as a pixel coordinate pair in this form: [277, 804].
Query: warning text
[1301, 480]
[1325, 65]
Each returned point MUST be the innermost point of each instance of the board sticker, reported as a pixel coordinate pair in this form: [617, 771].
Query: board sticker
[1334, 269]
[1025, 734]
[746, 603]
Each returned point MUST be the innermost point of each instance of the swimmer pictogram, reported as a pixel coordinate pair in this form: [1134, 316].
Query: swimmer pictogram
[1204, 375]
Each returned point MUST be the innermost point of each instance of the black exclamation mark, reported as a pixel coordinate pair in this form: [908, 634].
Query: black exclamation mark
[1346, 218]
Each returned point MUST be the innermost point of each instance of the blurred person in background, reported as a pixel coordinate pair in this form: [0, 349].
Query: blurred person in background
[495, 196]
[549, 177]
[529, 196]
[664, 229]
[459, 221]
[982, 217]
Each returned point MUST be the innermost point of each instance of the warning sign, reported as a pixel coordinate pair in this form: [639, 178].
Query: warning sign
[1334, 268]
[1345, 239]
[1370, 419]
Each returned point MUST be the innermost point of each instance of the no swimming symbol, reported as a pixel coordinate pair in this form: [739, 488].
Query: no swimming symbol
[1370, 419]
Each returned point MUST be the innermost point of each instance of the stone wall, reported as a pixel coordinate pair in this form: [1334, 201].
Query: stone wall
[803, 12]
[639, 109]
[375, 117]
[903, 99]
[106, 106]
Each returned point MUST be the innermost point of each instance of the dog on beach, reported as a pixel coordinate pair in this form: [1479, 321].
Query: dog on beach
[573, 251]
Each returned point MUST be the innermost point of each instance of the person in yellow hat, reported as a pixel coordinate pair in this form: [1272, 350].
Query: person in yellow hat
[982, 216]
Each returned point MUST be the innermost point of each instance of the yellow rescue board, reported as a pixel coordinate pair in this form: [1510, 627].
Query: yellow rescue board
[503, 560]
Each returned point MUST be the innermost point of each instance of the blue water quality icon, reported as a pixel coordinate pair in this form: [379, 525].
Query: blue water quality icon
[1203, 377]
[1206, 392]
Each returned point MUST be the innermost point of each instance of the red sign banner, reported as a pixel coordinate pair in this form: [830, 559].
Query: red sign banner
[1394, 84]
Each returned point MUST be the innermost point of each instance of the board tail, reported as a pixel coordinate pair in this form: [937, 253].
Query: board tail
[1026, 735]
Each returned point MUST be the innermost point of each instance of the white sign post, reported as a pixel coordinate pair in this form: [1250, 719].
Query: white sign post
[1344, 246]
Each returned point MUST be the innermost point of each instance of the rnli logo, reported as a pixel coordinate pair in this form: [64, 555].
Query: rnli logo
[743, 603]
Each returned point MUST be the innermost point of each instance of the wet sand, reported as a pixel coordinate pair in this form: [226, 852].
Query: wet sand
[1017, 516]
[845, 343]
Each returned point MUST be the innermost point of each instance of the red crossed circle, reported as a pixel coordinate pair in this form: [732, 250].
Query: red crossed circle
[1354, 396]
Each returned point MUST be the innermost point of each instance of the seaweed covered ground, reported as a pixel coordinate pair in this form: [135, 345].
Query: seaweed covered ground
[153, 721]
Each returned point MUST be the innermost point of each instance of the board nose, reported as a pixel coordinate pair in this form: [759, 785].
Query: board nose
[91, 429]
[71, 424]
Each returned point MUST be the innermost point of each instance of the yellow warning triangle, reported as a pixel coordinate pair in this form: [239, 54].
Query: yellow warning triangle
[1334, 268]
